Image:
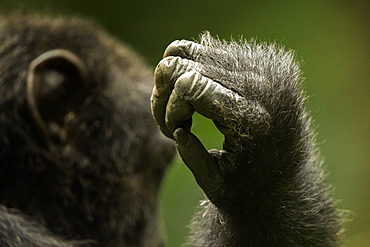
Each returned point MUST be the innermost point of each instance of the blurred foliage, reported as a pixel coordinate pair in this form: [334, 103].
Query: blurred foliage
[330, 37]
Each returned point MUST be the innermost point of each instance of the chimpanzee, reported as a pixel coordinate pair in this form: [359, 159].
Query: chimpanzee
[81, 158]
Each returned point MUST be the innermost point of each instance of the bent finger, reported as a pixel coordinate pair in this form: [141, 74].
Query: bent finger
[191, 50]
[228, 109]
[184, 48]
[165, 75]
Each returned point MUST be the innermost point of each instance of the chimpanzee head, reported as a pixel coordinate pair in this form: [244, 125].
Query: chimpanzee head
[79, 150]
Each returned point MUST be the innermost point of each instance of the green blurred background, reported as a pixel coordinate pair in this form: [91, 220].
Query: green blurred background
[330, 37]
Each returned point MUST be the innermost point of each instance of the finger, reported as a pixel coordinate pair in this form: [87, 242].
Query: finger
[184, 48]
[233, 113]
[165, 75]
[200, 162]
[192, 51]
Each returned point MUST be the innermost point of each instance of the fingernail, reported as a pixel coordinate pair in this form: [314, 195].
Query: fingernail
[181, 136]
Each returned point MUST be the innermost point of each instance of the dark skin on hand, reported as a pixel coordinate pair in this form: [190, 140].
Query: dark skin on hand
[194, 77]
[82, 160]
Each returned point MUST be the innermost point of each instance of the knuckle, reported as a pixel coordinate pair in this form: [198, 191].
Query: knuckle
[171, 68]
[181, 48]
[172, 49]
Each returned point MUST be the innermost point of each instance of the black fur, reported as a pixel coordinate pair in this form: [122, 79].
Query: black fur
[98, 184]
[279, 181]
[101, 181]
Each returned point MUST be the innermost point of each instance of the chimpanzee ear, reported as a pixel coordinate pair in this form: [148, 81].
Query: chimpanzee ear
[56, 84]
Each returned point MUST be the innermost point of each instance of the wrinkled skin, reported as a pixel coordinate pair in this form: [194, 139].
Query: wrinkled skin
[180, 89]
[82, 160]
[265, 187]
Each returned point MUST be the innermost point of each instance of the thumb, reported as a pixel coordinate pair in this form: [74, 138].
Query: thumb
[200, 162]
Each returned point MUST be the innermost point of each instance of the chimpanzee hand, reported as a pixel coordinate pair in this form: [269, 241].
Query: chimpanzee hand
[181, 88]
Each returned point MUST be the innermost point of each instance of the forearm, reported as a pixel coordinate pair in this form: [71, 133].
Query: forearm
[274, 196]
[265, 187]
[293, 215]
